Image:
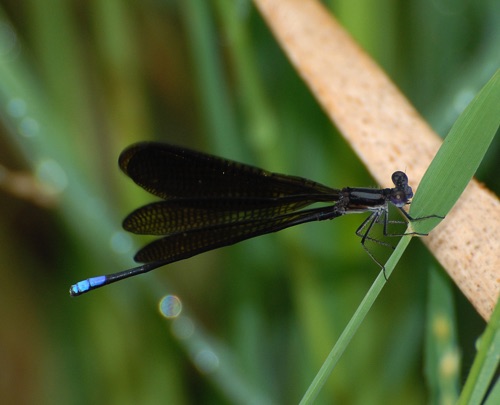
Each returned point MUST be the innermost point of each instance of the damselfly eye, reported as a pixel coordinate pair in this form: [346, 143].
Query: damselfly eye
[399, 179]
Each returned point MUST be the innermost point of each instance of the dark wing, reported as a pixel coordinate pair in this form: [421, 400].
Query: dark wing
[180, 215]
[192, 242]
[169, 172]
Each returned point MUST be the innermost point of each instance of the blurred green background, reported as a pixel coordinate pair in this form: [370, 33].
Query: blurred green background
[79, 81]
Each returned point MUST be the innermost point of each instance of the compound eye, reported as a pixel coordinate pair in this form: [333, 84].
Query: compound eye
[399, 179]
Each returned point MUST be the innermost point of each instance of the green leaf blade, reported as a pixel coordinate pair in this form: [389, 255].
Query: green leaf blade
[459, 157]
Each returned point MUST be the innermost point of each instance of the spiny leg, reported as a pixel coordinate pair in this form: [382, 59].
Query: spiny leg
[370, 221]
[411, 219]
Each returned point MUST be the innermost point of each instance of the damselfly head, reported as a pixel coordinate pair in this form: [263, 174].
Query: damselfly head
[402, 192]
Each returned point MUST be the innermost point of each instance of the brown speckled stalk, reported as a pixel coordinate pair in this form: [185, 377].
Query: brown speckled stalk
[388, 134]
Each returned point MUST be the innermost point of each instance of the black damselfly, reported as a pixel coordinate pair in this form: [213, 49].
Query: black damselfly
[209, 202]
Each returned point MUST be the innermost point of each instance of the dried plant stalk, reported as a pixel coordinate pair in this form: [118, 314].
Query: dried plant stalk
[387, 133]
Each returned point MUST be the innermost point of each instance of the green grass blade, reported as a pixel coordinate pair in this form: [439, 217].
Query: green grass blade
[353, 325]
[442, 358]
[459, 157]
[440, 188]
[217, 109]
[485, 364]
[494, 397]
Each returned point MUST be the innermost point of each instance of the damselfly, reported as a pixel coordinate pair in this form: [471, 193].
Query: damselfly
[209, 202]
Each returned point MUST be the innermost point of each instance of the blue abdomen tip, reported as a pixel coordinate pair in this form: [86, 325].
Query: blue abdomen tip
[86, 285]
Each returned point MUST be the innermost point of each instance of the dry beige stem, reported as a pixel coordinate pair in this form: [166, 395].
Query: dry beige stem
[387, 134]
